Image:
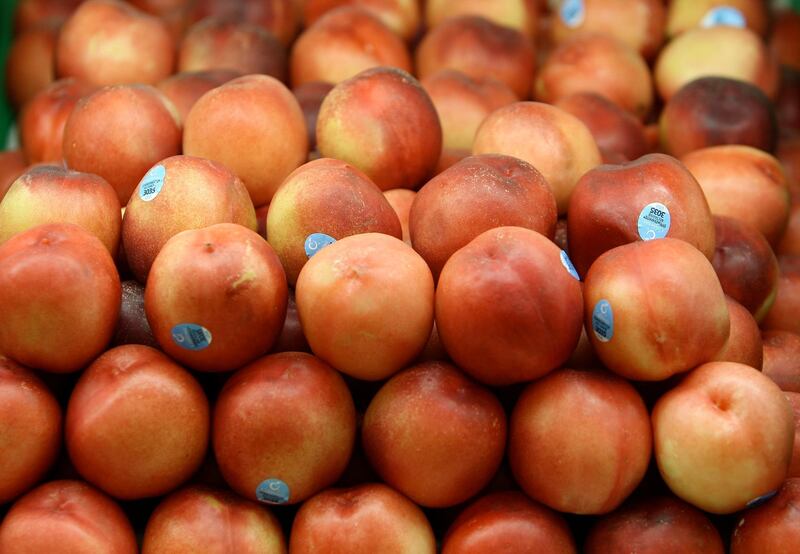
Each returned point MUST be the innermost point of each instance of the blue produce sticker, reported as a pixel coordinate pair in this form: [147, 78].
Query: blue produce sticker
[603, 321]
[273, 491]
[759, 500]
[567, 263]
[191, 336]
[726, 16]
[152, 183]
[316, 242]
[654, 221]
[572, 13]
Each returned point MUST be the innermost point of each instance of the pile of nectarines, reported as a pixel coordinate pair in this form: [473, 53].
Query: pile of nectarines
[372, 276]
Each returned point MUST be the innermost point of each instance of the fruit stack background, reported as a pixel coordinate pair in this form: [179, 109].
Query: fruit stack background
[400, 276]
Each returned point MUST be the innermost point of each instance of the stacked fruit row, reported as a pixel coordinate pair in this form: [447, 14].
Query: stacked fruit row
[490, 275]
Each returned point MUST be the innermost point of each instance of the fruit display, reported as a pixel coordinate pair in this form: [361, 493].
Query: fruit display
[400, 276]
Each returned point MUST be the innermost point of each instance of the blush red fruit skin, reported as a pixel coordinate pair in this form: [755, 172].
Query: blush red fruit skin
[794, 401]
[669, 311]
[304, 438]
[599, 63]
[744, 183]
[226, 279]
[54, 194]
[772, 527]
[59, 295]
[782, 359]
[710, 111]
[185, 88]
[616, 131]
[222, 44]
[254, 126]
[463, 102]
[433, 416]
[507, 309]
[12, 165]
[652, 526]
[137, 424]
[30, 427]
[325, 196]
[205, 519]
[476, 194]
[401, 201]
[119, 132]
[370, 517]
[43, 117]
[366, 305]
[564, 150]
[401, 16]
[504, 521]
[782, 316]
[109, 42]
[744, 344]
[342, 43]
[723, 436]
[194, 193]
[480, 48]
[608, 201]
[745, 265]
[384, 123]
[30, 63]
[66, 516]
[30, 13]
[589, 459]
[276, 16]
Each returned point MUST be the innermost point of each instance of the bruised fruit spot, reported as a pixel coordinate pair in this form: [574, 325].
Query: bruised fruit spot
[247, 276]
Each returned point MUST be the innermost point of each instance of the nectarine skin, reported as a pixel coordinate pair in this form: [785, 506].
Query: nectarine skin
[383, 122]
[254, 126]
[67, 516]
[723, 437]
[508, 519]
[652, 525]
[474, 195]
[432, 415]
[137, 423]
[297, 447]
[201, 518]
[31, 422]
[508, 308]
[371, 517]
[59, 295]
[613, 205]
[593, 455]
[654, 309]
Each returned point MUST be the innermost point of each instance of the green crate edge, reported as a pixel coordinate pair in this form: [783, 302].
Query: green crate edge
[6, 113]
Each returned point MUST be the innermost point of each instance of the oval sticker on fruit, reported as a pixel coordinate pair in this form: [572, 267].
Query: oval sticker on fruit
[572, 13]
[654, 221]
[759, 500]
[316, 242]
[567, 263]
[152, 182]
[273, 491]
[727, 16]
[603, 321]
[191, 336]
